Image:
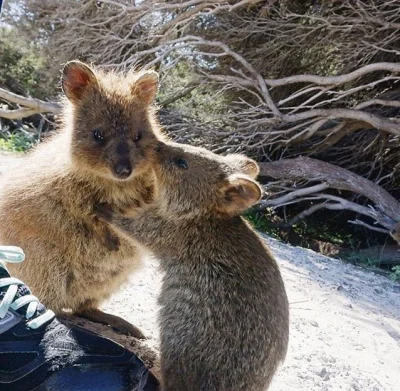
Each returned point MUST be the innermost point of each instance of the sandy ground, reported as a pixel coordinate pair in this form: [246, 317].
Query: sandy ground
[345, 323]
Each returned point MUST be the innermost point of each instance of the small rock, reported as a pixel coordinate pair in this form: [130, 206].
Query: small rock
[355, 387]
[314, 323]
[322, 373]
[339, 288]
[378, 291]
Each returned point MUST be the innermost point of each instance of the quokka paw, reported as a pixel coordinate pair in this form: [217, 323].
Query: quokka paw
[111, 241]
[104, 212]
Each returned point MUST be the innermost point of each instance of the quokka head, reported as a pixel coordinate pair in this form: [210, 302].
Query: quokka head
[193, 180]
[114, 131]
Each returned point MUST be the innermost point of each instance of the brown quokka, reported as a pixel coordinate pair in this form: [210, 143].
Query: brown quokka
[224, 320]
[102, 153]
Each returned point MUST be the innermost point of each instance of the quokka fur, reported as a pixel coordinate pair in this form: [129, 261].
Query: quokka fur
[395, 232]
[224, 319]
[101, 153]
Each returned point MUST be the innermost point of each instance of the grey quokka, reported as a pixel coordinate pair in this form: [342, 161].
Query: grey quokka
[224, 320]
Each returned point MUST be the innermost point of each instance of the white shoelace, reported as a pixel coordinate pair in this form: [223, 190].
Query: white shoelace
[16, 255]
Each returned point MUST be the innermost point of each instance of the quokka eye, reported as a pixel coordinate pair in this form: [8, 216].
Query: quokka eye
[138, 137]
[98, 136]
[181, 163]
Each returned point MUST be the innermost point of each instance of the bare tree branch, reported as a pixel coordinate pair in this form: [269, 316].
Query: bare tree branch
[371, 227]
[181, 94]
[294, 195]
[336, 177]
[334, 80]
[17, 114]
[386, 211]
[37, 105]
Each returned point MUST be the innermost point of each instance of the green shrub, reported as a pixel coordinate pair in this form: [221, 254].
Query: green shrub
[395, 274]
[22, 66]
[17, 142]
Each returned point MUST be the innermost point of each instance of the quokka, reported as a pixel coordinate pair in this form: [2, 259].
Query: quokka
[102, 153]
[224, 319]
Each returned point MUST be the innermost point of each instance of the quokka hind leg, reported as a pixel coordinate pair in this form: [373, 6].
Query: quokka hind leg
[116, 322]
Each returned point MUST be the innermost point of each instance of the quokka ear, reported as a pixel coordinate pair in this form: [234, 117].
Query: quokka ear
[76, 78]
[243, 165]
[146, 86]
[240, 194]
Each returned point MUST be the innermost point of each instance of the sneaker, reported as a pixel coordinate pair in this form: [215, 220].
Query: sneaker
[40, 353]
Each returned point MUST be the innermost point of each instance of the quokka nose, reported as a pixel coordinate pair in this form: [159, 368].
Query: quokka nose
[123, 169]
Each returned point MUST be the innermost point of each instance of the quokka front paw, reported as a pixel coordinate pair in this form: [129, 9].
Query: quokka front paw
[129, 212]
[111, 241]
[104, 212]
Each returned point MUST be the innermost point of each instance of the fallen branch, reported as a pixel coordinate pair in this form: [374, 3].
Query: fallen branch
[17, 114]
[30, 107]
[371, 227]
[386, 209]
[295, 194]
